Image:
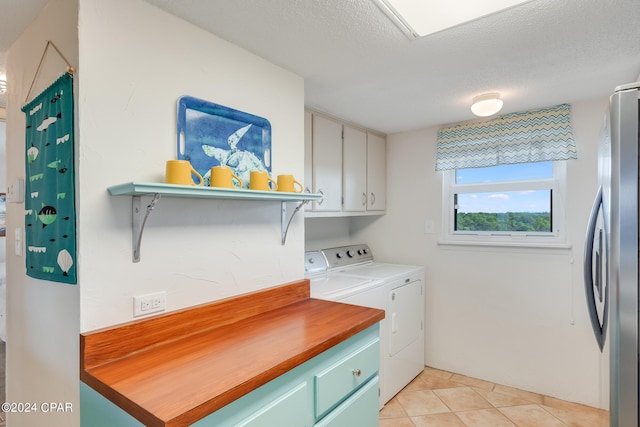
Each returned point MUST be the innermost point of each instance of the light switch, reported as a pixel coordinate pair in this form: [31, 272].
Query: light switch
[15, 191]
[18, 241]
[429, 228]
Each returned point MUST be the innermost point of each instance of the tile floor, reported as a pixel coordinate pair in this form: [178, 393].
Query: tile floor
[444, 399]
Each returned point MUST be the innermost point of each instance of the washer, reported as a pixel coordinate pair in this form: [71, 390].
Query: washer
[349, 274]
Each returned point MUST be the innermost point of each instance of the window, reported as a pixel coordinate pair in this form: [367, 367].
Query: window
[512, 204]
[504, 178]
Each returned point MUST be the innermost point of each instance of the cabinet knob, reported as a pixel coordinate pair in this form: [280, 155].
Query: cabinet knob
[356, 372]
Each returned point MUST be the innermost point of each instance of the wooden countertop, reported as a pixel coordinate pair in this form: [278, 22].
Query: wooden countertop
[179, 367]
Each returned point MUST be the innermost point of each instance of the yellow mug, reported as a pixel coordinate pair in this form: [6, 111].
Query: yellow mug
[179, 172]
[259, 180]
[221, 176]
[287, 183]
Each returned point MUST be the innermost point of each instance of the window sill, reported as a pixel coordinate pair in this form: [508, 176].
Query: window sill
[507, 244]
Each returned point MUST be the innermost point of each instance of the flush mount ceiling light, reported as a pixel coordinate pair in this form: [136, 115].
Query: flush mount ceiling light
[486, 105]
[420, 18]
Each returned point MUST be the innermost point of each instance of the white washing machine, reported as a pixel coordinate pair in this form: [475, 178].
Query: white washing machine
[348, 274]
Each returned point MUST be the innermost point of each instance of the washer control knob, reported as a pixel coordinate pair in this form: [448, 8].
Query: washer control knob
[360, 252]
[365, 251]
[350, 253]
[339, 255]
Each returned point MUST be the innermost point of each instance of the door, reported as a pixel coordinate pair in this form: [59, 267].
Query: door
[622, 215]
[308, 151]
[327, 163]
[376, 172]
[405, 313]
[405, 360]
[354, 168]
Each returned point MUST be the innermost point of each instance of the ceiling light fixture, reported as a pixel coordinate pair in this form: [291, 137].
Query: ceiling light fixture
[3, 86]
[420, 18]
[486, 105]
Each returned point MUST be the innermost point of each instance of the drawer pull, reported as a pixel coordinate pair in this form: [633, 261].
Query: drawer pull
[356, 372]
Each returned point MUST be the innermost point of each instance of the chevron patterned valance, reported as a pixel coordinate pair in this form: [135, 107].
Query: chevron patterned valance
[531, 136]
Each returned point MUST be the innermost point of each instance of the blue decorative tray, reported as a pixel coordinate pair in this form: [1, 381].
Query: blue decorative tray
[210, 135]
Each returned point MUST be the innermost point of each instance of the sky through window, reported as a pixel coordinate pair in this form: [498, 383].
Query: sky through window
[505, 201]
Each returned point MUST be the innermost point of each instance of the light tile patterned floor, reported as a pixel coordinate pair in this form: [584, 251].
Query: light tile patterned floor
[444, 399]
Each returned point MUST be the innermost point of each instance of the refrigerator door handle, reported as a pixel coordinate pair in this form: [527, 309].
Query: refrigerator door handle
[599, 330]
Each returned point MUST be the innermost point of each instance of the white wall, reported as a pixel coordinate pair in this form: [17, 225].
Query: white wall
[3, 155]
[3, 175]
[512, 316]
[135, 62]
[3, 257]
[321, 232]
[42, 317]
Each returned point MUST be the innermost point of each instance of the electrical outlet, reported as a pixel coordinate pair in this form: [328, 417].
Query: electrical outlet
[149, 303]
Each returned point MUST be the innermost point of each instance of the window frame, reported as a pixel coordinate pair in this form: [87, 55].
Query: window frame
[555, 238]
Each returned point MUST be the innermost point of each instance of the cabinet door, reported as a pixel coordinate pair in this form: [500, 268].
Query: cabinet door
[308, 151]
[346, 375]
[327, 163]
[284, 401]
[287, 410]
[361, 409]
[98, 411]
[354, 169]
[376, 173]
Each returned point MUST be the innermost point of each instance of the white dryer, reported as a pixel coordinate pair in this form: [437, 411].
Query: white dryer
[349, 274]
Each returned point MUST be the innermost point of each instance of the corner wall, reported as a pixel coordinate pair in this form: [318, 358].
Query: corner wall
[512, 316]
[133, 63]
[43, 317]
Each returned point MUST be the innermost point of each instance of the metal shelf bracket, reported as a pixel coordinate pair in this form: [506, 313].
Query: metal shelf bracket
[139, 220]
[137, 190]
[285, 223]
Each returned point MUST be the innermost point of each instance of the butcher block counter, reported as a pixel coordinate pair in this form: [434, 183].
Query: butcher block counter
[178, 368]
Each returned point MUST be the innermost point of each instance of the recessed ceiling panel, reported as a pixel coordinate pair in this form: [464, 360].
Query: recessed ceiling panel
[420, 18]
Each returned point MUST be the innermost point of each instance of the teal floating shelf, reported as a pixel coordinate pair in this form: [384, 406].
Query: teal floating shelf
[174, 190]
[157, 190]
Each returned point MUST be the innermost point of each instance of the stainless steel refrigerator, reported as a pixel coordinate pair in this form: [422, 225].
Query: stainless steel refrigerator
[611, 252]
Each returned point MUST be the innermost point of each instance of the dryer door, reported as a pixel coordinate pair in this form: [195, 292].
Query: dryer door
[405, 315]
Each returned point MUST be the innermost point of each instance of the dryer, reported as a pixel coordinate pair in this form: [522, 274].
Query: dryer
[350, 275]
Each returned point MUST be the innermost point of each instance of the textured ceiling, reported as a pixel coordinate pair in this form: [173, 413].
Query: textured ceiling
[358, 66]
[15, 16]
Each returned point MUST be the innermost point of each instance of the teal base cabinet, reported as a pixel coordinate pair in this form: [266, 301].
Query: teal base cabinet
[336, 388]
[97, 411]
[356, 410]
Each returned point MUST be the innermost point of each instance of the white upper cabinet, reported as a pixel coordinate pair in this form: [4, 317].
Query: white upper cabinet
[354, 169]
[376, 173]
[308, 151]
[327, 163]
[345, 164]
